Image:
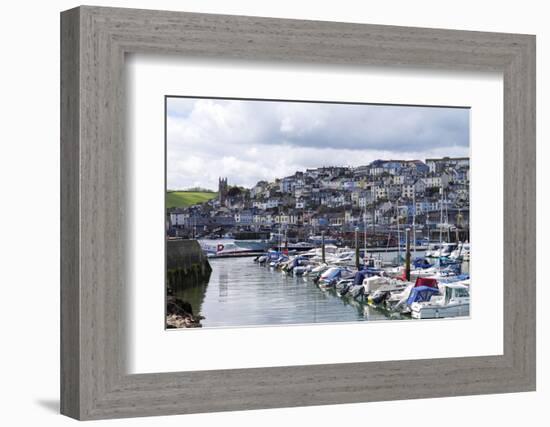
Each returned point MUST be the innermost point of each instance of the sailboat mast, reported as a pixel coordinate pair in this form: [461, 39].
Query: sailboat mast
[286, 237]
[280, 235]
[414, 223]
[447, 220]
[398, 238]
[365, 231]
[441, 216]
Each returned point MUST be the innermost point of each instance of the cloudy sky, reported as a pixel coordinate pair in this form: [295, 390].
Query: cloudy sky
[248, 141]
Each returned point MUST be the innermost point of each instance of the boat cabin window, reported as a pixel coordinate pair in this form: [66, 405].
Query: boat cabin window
[448, 295]
[461, 292]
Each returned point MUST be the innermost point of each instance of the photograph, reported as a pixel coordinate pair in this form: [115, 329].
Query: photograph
[286, 212]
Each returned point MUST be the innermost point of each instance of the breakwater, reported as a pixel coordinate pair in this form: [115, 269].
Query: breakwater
[187, 270]
[186, 264]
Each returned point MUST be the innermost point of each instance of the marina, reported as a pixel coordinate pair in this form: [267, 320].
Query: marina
[299, 287]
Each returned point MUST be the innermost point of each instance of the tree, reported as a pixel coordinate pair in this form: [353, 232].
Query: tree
[431, 191]
[233, 191]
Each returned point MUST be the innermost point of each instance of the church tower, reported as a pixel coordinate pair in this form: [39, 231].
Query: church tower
[222, 190]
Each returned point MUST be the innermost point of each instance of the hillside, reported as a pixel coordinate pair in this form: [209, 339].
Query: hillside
[183, 199]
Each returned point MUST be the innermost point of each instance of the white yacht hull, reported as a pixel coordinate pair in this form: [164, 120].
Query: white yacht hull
[420, 311]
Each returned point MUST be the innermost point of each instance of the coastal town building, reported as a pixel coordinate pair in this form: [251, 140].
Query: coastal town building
[340, 199]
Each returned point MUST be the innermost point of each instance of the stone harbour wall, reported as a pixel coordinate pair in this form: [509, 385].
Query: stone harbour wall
[186, 264]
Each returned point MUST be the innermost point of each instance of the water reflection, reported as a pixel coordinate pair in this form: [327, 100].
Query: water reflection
[223, 287]
[194, 295]
[242, 293]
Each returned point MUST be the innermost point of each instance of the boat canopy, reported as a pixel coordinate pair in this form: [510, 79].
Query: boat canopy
[456, 286]
[421, 293]
[421, 263]
[446, 261]
[359, 277]
[425, 281]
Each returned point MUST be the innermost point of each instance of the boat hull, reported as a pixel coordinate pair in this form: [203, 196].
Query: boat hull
[441, 312]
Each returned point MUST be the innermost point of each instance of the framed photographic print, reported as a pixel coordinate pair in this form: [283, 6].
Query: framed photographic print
[285, 213]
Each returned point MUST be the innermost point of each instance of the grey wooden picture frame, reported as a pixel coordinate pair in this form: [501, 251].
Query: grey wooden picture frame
[94, 42]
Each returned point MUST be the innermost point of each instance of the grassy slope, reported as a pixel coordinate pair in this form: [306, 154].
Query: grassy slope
[183, 199]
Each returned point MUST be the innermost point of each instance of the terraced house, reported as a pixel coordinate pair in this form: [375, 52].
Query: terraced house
[339, 197]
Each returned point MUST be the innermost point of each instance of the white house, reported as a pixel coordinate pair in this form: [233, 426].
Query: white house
[398, 180]
[380, 192]
[259, 204]
[437, 181]
[377, 171]
[393, 191]
[177, 218]
[420, 187]
[440, 164]
[408, 191]
[349, 185]
[287, 184]
[258, 189]
[243, 217]
[273, 203]
[355, 195]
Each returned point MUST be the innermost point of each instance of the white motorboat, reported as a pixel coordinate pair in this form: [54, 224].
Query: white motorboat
[316, 271]
[316, 254]
[384, 292]
[373, 283]
[454, 302]
[345, 258]
[462, 252]
[372, 262]
[433, 250]
[447, 249]
[417, 272]
[422, 288]
[301, 270]
[397, 300]
[223, 249]
[441, 250]
[332, 275]
[319, 268]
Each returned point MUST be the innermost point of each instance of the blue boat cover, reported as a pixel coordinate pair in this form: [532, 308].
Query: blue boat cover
[421, 263]
[273, 255]
[371, 271]
[455, 269]
[445, 261]
[359, 277]
[297, 261]
[421, 293]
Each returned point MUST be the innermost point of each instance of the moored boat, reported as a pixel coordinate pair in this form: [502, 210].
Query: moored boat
[462, 252]
[332, 275]
[454, 302]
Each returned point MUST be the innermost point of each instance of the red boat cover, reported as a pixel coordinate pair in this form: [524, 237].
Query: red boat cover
[425, 281]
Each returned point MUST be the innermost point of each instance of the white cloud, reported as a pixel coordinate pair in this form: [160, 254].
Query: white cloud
[252, 140]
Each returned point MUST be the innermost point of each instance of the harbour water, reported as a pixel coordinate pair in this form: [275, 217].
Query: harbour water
[242, 293]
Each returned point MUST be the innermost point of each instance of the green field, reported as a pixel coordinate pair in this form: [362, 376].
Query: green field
[183, 199]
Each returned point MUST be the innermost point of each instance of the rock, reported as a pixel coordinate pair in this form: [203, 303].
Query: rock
[177, 306]
[174, 321]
